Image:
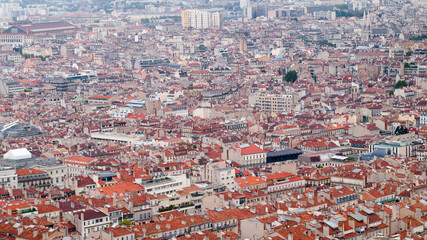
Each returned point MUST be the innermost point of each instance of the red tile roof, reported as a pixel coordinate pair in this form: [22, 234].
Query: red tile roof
[120, 188]
[252, 149]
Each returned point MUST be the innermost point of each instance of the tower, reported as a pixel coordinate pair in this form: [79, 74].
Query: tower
[243, 45]
[366, 27]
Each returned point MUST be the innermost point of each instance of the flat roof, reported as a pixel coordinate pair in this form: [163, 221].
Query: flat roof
[287, 151]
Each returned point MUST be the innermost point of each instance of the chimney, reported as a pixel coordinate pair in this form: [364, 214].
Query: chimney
[45, 236]
[131, 205]
[158, 226]
[351, 223]
[290, 236]
[20, 230]
[253, 210]
[325, 230]
[183, 222]
[35, 233]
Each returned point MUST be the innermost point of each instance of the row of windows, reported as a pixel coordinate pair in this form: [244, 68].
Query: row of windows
[347, 198]
[8, 179]
[286, 186]
[98, 220]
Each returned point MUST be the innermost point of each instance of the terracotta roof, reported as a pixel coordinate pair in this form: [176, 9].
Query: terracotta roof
[252, 149]
[30, 171]
[46, 208]
[120, 188]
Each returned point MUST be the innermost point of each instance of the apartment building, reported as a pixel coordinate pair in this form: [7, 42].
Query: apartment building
[277, 103]
[198, 18]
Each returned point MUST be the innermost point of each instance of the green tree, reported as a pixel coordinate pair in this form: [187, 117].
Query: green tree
[291, 76]
[400, 84]
[418, 37]
[409, 53]
[125, 223]
[391, 93]
[401, 130]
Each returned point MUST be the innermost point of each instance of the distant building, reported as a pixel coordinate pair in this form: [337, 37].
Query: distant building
[197, 18]
[10, 87]
[423, 119]
[41, 28]
[244, 3]
[16, 130]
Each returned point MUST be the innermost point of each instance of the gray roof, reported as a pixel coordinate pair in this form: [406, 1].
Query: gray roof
[286, 151]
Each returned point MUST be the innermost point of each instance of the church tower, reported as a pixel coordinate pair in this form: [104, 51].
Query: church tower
[366, 27]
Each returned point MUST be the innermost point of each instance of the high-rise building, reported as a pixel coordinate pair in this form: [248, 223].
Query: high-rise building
[244, 3]
[185, 17]
[198, 18]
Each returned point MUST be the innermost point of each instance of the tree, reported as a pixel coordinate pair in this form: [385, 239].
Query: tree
[409, 53]
[291, 76]
[418, 37]
[400, 130]
[126, 223]
[400, 84]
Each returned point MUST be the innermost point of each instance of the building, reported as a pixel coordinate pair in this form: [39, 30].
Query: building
[41, 28]
[8, 177]
[17, 158]
[10, 87]
[288, 154]
[56, 171]
[218, 172]
[244, 3]
[15, 39]
[16, 130]
[99, 100]
[167, 185]
[77, 165]
[423, 119]
[118, 234]
[278, 103]
[90, 221]
[246, 155]
[62, 84]
[201, 18]
[33, 178]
